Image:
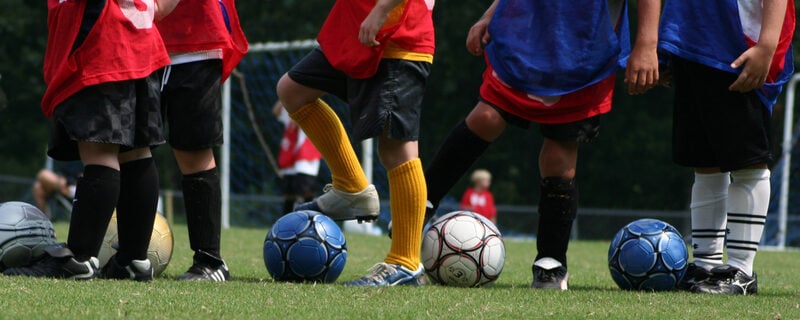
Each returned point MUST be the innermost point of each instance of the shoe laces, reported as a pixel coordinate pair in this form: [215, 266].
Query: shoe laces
[381, 271]
[328, 187]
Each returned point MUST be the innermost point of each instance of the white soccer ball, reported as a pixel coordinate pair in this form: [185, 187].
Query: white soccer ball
[24, 233]
[463, 249]
[159, 252]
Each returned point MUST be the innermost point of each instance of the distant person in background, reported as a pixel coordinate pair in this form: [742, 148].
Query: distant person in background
[478, 198]
[62, 180]
[727, 78]
[298, 161]
[205, 42]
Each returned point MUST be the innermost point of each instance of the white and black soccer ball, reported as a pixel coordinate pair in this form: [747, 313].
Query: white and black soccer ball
[305, 246]
[648, 254]
[463, 249]
[159, 252]
[24, 233]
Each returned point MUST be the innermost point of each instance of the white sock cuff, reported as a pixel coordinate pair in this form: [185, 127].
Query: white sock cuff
[751, 174]
[709, 188]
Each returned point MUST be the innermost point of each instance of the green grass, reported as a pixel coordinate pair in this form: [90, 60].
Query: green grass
[252, 293]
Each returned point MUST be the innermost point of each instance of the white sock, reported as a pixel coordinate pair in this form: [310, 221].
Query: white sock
[748, 201]
[709, 215]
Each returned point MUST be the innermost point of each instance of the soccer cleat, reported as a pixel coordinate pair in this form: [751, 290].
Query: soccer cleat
[726, 279]
[137, 270]
[206, 268]
[339, 205]
[694, 275]
[548, 273]
[58, 262]
[387, 275]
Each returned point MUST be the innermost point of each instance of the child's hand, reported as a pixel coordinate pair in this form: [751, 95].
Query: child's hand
[370, 27]
[478, 37]
[641, 73]
[757, 61]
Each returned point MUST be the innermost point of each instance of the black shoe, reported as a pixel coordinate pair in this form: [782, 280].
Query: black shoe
[726, 279]
[206, 267]
[58, 262]
[548, 273]
[694, 275]
[137, 270]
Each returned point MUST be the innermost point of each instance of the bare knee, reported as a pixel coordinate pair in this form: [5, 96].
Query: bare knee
[486, 122]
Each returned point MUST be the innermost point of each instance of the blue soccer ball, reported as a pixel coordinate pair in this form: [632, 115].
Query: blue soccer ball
[648, 254]
[305, 246]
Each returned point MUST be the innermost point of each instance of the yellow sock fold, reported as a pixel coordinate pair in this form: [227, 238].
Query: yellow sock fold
[326, 131]
[407, 195]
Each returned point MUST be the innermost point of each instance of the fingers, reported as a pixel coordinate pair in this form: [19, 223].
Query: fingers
[367, 38]
[639, 81]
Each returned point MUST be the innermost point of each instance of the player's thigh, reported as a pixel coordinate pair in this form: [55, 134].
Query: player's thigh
[309, 79]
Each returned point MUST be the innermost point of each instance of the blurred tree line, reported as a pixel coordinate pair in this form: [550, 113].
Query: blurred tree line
[629, 167]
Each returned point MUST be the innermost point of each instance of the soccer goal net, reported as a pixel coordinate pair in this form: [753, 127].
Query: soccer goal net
[251, 186]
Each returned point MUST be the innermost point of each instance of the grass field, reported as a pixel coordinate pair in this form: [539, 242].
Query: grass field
[252, 293]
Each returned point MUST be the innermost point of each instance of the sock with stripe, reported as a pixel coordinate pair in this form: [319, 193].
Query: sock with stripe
[326, 131]
[407, 195]
[708, 211]
[748, 201]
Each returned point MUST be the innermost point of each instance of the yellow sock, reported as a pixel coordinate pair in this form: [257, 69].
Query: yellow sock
[326, 131]
[407, 194]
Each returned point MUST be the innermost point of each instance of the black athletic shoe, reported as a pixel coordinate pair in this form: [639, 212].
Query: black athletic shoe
[137, 270]
[548, 273]
[206, 268]
[694, 275]
[726, 279]
[58, 262]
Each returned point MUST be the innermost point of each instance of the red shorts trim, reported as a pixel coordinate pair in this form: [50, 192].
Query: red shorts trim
[584, 103]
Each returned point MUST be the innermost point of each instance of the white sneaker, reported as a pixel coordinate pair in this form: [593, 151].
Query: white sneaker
[339, 205]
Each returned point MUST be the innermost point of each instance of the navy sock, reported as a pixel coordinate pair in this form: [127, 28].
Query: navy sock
[455, 156]
[136, 208]
[95, 198]
[201, 195]
[558, 207]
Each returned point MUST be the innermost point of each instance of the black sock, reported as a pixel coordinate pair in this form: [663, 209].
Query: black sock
[455, 156]
[201, 195]
[136, 208]
[558, 207]
[95, 198]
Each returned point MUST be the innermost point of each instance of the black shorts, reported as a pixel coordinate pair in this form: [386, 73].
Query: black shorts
[125, 113]
[390, 101]
[581, 131]
[713, 126]
[191, 104]
[298, 184]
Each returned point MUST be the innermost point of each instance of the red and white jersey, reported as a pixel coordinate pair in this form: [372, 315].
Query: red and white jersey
[297, 154]
[407, 34]
[481, 202]
[205, 26]
[122, 45]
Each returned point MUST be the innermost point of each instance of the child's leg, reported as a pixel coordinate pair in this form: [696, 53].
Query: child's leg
[748, 202]
[708, 211]
[324, 128]
[559, 199]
